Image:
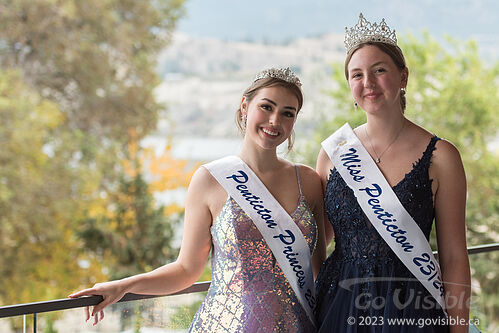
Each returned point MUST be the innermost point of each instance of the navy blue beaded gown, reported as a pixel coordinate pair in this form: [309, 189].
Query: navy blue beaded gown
[363, 286]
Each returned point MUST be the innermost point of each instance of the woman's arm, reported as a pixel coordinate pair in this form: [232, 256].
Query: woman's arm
[323, 168]
[194, 251]
[450, 204]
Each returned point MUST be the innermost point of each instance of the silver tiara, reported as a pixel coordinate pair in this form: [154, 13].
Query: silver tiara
[284, 74]
[365, 31]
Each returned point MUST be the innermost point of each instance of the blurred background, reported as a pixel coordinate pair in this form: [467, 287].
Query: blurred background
[108, 106]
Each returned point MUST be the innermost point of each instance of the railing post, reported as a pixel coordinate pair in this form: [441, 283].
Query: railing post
[34, 322]
[24, 323]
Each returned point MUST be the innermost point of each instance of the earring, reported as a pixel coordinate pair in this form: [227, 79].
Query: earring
[403, 90]
[243, 122]
[355, 105]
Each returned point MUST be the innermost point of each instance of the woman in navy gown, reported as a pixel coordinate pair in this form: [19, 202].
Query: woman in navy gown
[363, 286]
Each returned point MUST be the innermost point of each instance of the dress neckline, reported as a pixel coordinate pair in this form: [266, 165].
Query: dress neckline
[414, 164]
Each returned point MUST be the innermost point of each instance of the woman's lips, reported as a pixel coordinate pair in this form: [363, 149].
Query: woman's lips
[271, 132]
[372, 95]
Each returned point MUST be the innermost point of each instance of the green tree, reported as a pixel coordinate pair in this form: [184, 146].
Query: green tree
[455, 94]
[77, 76]
[95, 58]
[128, 227]
[133, 234]
[39, 257]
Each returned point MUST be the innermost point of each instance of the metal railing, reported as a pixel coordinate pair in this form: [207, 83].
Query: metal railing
[70, 303]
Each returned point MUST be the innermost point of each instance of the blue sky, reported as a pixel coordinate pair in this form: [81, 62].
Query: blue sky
[284, 19]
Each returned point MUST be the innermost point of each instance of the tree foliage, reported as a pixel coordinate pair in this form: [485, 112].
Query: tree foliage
[133, 236]
[128, 231]
[77, 77]
[133, 232]
[455, 94]
[95, 58]
[39, 256]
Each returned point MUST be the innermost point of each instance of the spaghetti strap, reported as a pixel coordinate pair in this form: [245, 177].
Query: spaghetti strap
[299, 179]
[428, 153]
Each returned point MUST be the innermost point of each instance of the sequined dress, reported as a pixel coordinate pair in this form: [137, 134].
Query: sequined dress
[249, 292]
[363, 286]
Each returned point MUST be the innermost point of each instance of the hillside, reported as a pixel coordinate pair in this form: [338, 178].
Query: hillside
[203, 78]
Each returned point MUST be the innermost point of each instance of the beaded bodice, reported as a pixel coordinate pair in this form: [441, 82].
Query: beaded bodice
[355, 237]
[363, 271]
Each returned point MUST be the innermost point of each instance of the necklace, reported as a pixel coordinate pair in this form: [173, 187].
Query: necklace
[378, 157]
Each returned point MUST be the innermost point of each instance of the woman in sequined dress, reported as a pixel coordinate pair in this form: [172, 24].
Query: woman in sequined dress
[363, 286]
[249, 292]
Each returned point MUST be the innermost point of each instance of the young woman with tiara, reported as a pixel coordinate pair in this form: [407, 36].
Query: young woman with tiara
[259, 215]
[385, 182]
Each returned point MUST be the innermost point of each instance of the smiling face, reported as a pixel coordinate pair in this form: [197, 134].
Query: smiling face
[271, 116]
[374, 79]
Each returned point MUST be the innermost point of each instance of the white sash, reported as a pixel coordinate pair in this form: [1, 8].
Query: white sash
[276, 226]
[383, 208]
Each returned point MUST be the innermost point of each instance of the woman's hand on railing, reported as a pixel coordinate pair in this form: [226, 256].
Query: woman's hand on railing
[111, 293]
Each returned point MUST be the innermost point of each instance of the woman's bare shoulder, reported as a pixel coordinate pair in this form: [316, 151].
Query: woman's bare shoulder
[311, 183]
[446, 156]
[204, 187]
[308, 174]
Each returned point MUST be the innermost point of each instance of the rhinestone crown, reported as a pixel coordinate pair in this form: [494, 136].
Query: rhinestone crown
[365, 31]
[284, 74]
